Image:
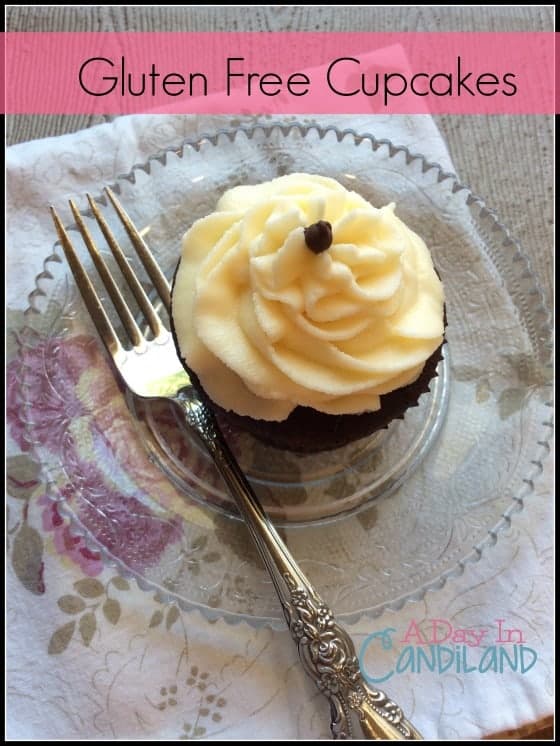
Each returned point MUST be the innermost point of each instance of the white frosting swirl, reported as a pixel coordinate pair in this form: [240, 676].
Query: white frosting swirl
[268, 325]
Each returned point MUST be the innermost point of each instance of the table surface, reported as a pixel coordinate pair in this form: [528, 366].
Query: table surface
[521, 190]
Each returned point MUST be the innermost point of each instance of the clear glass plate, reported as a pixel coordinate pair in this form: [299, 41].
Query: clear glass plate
[372, 525]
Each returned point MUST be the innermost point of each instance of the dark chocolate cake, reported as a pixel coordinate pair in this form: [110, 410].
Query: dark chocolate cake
[308, 431]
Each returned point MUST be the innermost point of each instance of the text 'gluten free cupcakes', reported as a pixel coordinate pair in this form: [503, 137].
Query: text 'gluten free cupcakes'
[309, 316]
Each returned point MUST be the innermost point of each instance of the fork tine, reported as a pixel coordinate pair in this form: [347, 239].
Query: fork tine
[141, 298]
[116, 296]
[156, 275]
[91, 299]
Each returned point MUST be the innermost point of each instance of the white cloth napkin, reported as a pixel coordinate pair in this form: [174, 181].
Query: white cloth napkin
[138, 670]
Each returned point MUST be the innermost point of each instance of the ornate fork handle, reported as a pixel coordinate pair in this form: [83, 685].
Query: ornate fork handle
[325, 648]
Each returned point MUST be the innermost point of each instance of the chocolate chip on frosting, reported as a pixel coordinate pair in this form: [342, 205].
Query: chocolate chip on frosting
[318, 236]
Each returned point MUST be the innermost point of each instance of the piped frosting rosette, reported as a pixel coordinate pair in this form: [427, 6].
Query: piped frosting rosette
[268, 325]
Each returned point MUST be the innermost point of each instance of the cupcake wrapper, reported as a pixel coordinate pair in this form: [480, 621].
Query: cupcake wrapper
[309, 431]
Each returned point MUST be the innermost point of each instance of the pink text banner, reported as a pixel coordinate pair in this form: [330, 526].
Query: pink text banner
[279, 73]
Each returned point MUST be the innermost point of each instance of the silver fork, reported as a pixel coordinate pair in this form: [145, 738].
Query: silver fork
[151, 368]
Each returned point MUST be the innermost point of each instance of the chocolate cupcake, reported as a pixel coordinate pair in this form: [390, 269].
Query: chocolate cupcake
[310, 317]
